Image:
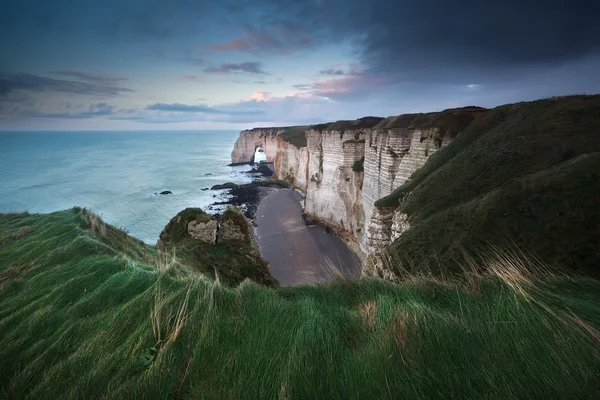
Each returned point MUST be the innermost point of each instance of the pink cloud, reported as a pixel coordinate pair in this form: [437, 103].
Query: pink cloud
[254, 41]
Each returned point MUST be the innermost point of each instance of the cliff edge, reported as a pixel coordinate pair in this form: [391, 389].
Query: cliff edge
[423, 189]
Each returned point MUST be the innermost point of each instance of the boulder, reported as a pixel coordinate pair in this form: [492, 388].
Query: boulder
[229, 230]
[166, 192]
[228, 185]
[204, 231]
[234, 226]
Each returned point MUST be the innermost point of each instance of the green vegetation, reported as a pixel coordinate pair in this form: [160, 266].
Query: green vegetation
[359, 165]
[232, 261]
[527, 173]
[449, 122]
[86, 314]
[295, 135]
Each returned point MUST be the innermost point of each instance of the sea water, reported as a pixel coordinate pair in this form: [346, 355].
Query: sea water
[116, 174]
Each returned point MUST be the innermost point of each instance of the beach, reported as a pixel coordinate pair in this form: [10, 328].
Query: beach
[298, 253]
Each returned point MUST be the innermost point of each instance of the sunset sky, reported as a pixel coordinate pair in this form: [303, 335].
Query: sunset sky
[236, 64]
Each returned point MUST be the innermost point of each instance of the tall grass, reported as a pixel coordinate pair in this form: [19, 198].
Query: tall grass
[76, 315]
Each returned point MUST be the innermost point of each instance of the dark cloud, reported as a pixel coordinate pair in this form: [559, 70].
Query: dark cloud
[189, 77]
[332, 71]
[94, 110]
[107, 79]
[247, 67]
[186, 108]
[280, 39]
[433, 40]
[303, 86]
[36, 83]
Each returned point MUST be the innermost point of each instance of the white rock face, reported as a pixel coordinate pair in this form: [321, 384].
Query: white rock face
[333, 188]
[379, 230]
[400, 225]
[203, 231]
[249, 140]
[291, 163]
[323, 171]
[391, 157]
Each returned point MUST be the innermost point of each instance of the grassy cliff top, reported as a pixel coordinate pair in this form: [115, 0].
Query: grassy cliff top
[526, 172]
[448, 122]
[88, 312]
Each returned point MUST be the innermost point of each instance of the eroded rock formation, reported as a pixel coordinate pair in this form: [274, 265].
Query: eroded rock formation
[344, 167]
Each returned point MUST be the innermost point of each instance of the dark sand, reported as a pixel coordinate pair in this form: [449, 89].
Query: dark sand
[298, 253]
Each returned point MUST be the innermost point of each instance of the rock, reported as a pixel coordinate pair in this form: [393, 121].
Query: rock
[228, 185]
[207, 174]
[229, 230]
[166, 192]
[263, 170]
[192, 222]
[204, 231]
[205, 189]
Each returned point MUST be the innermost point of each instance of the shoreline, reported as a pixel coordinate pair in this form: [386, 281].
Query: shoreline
[319, 250]
[299, 253]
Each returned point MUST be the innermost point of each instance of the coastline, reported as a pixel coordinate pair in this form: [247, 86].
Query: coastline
[299, 253]
[299, 250]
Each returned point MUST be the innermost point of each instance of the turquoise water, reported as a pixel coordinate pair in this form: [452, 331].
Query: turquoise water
[116, 174]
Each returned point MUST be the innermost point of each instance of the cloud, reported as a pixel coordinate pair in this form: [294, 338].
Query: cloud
[36, 83]
[108, 79]
[189, 77]
[282, 40]
[332, 71]
[260, 95]
[303, 86]
[260, 82]
[94, 110]
[247, 67]
[346, 87]
[186, 108]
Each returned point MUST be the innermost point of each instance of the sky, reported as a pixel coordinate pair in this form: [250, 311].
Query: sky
[238, 64]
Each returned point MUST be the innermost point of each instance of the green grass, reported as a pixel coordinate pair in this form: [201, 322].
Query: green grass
[295, 135]
[80, 305]
[527, 173]
[553, 214]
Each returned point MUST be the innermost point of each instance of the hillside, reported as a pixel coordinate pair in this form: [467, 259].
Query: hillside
[525, 174]
[87, 311]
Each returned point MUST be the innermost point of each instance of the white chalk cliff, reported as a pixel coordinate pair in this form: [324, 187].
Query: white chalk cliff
[343, 168]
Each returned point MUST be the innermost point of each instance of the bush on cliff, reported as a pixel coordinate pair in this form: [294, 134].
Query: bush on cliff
[88, 312]
[359, 165]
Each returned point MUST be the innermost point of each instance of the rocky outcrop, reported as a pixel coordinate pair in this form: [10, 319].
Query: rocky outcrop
[249, 140]
[234, 226]
[202, 240]
[204, 231]
[400, 224]
[344, 167]
[228, 185]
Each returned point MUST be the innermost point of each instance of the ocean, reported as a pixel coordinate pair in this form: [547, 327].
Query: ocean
[116, 174]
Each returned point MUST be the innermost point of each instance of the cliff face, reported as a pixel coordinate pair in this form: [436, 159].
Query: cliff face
[249, 140]
[522, 178]
[344, 167]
